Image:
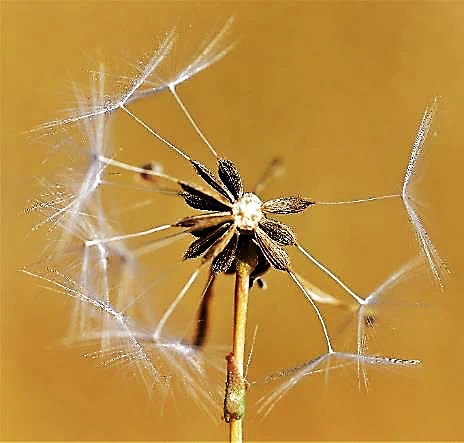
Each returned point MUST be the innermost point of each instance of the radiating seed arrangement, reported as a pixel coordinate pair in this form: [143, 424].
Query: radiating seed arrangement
[224, 216]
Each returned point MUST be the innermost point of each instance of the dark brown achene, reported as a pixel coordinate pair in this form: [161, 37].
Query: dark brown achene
[234, 217]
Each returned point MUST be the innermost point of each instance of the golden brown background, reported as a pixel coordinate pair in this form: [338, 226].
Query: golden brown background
[337, 89]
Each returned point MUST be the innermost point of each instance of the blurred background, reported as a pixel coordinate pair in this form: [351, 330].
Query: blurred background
[335, 89]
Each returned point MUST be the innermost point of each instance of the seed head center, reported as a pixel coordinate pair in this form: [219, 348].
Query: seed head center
[247, 212]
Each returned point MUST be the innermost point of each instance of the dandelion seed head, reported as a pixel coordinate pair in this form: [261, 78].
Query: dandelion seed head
[126, 322]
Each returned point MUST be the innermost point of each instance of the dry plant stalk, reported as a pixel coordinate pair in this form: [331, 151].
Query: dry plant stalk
[236, 385]
[235, 233]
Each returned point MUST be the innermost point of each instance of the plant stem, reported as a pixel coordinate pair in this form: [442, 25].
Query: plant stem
[235, 397]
